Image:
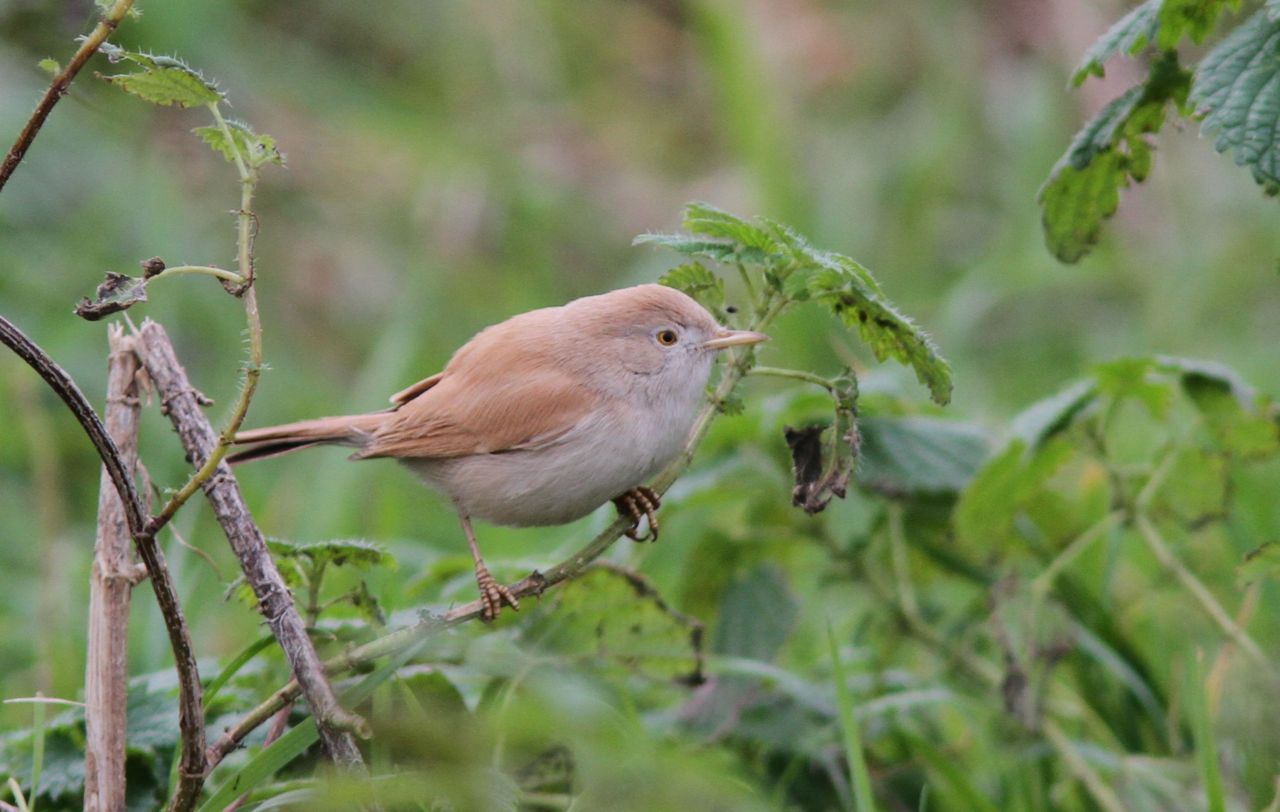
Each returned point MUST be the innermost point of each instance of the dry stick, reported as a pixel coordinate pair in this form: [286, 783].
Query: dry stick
[107, 661]
[190, 693]
[534, 584]
[180, 402]
[58, 88]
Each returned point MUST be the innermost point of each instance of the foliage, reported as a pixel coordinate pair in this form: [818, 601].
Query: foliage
[1039, 656]
[1231, 91]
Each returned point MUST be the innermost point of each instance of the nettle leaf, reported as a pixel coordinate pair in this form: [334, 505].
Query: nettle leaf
[902, 456]
[617, 617]
[689, 246]
[1237, 92]
[1193, 19]
[163, 80]
[1130, 35]
[705, 219]
[1159, 23]
[887, 332]
[1045, 418]
[339, 552]
[700, 283]
[256, 150]
[1083, 189]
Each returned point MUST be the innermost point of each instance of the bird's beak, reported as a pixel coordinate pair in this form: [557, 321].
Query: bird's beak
[733, 338]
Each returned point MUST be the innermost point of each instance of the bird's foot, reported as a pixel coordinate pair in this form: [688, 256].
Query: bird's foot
[493, 594]
[640, 503]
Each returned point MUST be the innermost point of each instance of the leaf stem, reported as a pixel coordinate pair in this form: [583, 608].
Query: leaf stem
[204, 270]
[795, 375]
[253, 370]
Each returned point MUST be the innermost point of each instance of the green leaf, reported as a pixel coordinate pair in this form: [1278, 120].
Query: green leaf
[694, 279]
[256, 150]
[116, 293]
[864, 800]
[1130, 35]
[1189, 18]
[1045, 418]
[1083, 189]
[756, 615]
[689, 246]
[1272, 8]
[903, 456]
[705, 219]
[1241, 423]
[842, 285]
[616, 617]
[339, 552]
[163, 80]
[1237, 91]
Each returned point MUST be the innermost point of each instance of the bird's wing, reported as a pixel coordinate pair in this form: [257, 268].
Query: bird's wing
[405, 395]
[467, 412]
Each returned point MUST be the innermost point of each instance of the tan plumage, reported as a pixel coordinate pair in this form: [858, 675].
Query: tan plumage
[544, 417]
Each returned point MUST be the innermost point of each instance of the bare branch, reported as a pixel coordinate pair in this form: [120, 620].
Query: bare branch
[107, 659]
[190, 711]
[58, 88]
[223, 493]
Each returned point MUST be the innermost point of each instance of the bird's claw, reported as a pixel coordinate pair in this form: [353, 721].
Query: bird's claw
[640, 503]
[493, 594]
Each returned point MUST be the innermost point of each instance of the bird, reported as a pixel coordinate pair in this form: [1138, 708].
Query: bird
[541, 419]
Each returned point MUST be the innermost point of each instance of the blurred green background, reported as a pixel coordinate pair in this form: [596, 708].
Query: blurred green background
[453, 163]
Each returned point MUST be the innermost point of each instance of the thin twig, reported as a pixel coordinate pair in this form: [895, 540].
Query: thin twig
[1198, 590]
[59, 86]
[190, 714]
[223, 493]
[534, 584]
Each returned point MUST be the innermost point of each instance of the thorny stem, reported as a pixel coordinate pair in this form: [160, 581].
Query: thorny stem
[244, 257]
[58, 88]
[534, 584]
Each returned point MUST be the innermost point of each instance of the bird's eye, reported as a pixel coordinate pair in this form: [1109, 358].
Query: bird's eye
[667, 337]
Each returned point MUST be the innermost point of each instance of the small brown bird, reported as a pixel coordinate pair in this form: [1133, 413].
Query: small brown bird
[543, 418]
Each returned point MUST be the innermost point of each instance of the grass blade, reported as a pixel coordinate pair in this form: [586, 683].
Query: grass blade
[861, 778]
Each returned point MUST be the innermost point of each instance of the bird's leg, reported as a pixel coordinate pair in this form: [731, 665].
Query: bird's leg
[492, 593]
[640, 503]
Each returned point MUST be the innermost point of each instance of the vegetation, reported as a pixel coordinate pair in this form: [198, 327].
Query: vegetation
[1037, 575]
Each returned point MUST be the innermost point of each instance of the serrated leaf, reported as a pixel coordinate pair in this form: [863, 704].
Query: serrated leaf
[700, 283]
[887, 332]
[256, 150]
[1129, 35]
[616, 617]
[756, 615]
[705, 219]
[163, 80]
[1237, 91]
[339, 552]
[116, 293]
[1083, 189]
[903, 456]
[689, 246]
[1193, 19]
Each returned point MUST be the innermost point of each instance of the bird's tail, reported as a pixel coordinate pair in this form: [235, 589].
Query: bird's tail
[353, 430]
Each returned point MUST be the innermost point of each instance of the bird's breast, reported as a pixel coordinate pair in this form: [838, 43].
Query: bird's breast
[615, 448]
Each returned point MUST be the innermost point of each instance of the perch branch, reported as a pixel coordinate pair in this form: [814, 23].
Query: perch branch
[190, 714]
[58, 88]
[223, 493]
[534, 584]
